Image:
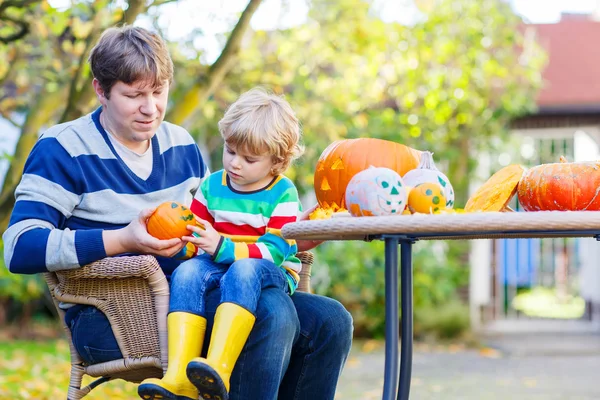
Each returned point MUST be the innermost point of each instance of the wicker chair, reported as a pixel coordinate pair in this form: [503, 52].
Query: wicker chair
[127, 290]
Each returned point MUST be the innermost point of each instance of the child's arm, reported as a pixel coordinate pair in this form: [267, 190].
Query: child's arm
[270, 246]
[188, 251]
[198, 207]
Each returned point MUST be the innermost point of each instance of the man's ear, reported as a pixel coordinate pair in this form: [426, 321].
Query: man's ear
[99, 92]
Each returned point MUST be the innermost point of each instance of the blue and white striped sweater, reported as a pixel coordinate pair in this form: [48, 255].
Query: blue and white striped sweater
[75, 185]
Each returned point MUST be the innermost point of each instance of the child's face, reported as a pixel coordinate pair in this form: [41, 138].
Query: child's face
[247, 172]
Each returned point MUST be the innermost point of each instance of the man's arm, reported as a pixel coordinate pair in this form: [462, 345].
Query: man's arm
[49, 191]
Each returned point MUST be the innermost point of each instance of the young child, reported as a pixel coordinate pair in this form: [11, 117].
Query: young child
[242, 208]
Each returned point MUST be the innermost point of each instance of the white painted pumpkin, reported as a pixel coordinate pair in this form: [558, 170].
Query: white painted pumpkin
[427, 172]
[374, 192]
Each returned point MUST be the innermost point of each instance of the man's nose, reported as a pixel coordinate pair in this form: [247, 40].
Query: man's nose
[148, 107]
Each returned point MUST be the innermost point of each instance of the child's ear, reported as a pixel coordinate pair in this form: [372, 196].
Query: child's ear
[277, 168]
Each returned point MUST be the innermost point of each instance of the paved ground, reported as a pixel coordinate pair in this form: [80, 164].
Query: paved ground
[523, 367]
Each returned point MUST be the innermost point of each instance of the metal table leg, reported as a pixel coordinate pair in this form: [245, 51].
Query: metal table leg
[406, 278]
[390, 380]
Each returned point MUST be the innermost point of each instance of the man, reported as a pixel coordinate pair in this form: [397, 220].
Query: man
[78, 201]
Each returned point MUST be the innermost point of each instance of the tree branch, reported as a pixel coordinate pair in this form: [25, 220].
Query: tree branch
[23, 26]
[77, 100]
[157, 3]
[16, 4]
[9, 119]
[135, 8]
[81, 93]
[206, 85]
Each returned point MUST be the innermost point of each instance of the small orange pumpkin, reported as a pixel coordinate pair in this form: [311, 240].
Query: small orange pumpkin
[343, 159]
[561, 186]
[170, 220]
[427, 198]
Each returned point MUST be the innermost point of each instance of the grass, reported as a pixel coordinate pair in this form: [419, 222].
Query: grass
[41, 370]
[545, 303]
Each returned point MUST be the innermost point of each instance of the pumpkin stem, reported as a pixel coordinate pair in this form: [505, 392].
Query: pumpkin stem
[426, 161]
[563, 159]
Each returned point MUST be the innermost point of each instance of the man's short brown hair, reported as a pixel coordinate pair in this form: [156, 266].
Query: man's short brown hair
[129, 54]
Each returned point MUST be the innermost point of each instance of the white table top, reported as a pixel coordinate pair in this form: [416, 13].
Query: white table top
[451, 226]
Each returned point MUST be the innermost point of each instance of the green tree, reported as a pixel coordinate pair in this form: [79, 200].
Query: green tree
[448, 83]
[44, 76]
[49, 81]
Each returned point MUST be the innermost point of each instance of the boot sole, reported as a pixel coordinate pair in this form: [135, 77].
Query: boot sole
[208, 382]
[150, 391]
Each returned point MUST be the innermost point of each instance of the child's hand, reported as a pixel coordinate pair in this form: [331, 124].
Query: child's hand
[207, 239]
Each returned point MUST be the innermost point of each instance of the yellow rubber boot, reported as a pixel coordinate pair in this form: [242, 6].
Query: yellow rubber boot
[210, 375]
[185, 337]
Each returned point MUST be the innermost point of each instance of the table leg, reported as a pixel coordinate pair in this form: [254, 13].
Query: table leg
[406, 346]
[390, 379]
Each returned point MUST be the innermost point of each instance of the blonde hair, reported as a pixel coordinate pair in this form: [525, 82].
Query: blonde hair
[129, 54]
[262, 122]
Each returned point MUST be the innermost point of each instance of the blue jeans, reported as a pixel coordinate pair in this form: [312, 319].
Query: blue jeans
[296, 350]
[241, 283]
[92, 335]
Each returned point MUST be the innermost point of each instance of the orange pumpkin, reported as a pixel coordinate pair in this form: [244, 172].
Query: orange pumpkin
[170, 220]
[343, 159]
[496, 192]
[561, 186]
[427, 198]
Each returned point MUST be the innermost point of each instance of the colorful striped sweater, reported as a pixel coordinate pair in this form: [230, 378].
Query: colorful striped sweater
[75, 185]
[251, 222]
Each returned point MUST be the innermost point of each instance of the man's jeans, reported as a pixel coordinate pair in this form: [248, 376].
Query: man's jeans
[241, 283]
[300, 342]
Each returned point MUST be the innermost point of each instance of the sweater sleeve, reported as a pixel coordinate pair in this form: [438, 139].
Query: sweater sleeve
[49, 191]
[199, 204]
[270, 246]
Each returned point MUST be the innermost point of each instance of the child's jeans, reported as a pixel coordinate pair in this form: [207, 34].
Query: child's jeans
[241, 283]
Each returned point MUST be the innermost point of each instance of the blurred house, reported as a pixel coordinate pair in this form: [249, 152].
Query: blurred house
[567, 123]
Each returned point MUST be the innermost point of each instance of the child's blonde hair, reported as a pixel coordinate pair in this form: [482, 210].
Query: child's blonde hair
[262, 122]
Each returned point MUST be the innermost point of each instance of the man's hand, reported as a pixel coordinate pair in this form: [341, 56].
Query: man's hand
[134, 238]
[207, 239]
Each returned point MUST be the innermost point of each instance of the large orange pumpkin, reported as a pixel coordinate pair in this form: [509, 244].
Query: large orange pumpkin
[561, 186]
[170, 220]
[343, 159]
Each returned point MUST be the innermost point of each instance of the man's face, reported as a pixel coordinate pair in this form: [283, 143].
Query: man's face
[133, 112]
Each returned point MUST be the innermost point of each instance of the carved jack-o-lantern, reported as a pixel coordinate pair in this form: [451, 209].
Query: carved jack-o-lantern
[343, 159]
[376, 191]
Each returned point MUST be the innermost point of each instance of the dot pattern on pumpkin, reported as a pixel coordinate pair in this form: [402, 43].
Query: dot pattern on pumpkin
[426, 198]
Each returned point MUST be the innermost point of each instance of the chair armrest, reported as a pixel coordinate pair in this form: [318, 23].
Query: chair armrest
[115, 267]
[133, 293]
